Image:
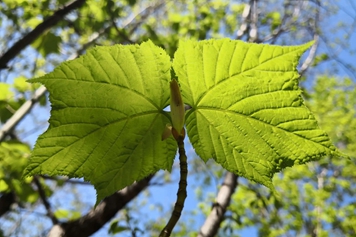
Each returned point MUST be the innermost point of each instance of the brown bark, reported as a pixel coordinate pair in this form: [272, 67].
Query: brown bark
[35, 33]
[216, 216]
[96, 218]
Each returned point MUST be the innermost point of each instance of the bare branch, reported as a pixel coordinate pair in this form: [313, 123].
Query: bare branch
[253, 34]
[96, 218]
[65, 180]
[307, 62]
[311, 56]
[216, 216]
[6, 200]
[20, 113]
[43, 197]
[244, 27]
[35, 33]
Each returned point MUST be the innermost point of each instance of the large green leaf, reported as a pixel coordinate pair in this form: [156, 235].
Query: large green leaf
[107, 117]
[247, 110]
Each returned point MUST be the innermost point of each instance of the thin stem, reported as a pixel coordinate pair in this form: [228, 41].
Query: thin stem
[46, 203]
[182, 190]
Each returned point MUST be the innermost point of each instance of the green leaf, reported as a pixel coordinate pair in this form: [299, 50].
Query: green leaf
[107, 118]
[247, 110]
[115, 228]
[47, 43]
[5, 92]
[21, 84]
[66, 214]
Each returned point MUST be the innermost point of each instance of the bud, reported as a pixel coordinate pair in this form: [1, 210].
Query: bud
[177, 107]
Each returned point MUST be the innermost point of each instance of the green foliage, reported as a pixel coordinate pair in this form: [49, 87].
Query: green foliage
[318, 196]
[47, 43]
[247, 112]
[109, 129]
[13, 160]
[21, 84]
[8, 103]
[116, 228]
[5, 92]
[65, 214]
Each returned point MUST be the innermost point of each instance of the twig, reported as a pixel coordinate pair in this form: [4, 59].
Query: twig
[216, 216]
[307, 62]
[310, 57]
[285, 25]
[35, 33]
[20, 113]
[253, 34]
[244, 27]
[144, 13]
[45, 201]
[319, 208]
[65, 180]
[182, 190]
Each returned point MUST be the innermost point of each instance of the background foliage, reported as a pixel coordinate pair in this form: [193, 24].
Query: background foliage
[318, 198]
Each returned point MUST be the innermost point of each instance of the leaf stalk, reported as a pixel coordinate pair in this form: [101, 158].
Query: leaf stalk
[182, 189]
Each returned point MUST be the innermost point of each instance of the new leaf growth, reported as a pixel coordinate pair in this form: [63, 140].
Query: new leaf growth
[177, 109]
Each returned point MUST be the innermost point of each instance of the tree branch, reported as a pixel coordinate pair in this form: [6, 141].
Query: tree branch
[6, 200]
[35, 33]
[253, 34]
[216, 216]
[20, 113]
[96, 218]
[245, 26]
[43, 197]
[307, 62]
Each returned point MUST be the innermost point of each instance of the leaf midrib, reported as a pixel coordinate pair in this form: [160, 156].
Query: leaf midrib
[95, 130]
[242, 72]
[248, 117]
[64, 79]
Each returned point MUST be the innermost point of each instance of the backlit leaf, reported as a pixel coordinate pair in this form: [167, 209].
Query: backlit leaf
[107, 118]
[247, 110]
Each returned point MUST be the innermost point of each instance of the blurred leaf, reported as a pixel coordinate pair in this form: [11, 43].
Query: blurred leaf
[21, 84]
[116, 228]
[61, 213]
[5, 92]
[67, 214]
[47, 43]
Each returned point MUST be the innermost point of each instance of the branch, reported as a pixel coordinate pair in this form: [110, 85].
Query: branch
[98, 217]
[307, 62]
[319, 208]
[253, 34]
[43, 197]
[6, 200]
[245, 26]
[35, 33]
[20, 113]
[182, 190]
[216, 216]
[65, 180]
